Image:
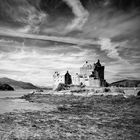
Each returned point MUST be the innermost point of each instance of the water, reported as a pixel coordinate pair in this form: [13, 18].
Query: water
[13, 94]
[9, 102]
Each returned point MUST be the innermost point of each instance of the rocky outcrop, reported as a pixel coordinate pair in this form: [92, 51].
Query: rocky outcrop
[61, 87]
[6, 87]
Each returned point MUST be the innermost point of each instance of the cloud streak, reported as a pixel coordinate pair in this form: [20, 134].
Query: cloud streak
[81, 15]
[69, 40]
[111, 47]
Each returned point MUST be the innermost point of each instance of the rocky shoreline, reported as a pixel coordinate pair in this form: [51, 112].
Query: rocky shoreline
[74, 118]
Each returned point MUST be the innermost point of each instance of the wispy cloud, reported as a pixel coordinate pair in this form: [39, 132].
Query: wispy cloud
[122, 70]
[111, 47]
[69, 40]
[81, 15]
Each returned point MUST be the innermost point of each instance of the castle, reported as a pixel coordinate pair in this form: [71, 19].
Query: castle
[91, 75]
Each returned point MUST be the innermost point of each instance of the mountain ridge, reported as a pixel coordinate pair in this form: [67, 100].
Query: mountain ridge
[126, 83]
[17, 84]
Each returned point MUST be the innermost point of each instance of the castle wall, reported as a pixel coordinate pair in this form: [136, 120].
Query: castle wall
[58, 79]
[87, 82]
[86, 70]
[82, 80]
[101, 73]
[75, 80]
[94, 82]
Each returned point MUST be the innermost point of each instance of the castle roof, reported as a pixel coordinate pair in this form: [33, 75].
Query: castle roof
[87, 65]
[98, 63]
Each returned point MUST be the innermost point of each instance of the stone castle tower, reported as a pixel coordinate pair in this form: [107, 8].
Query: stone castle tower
[98, 74]
[68, 79]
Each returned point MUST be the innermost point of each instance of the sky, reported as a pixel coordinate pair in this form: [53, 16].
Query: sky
[39, 37]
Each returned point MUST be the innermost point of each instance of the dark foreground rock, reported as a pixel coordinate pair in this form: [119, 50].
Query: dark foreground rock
[6, 87]
[138, 94]
[75, 118]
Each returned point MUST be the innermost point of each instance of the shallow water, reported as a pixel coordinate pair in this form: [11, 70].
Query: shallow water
[13, 94]
[9, 102]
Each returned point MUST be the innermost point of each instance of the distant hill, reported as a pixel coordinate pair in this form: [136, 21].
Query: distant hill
[17, 84]
[126, 83]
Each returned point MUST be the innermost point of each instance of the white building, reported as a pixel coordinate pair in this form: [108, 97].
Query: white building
[85, 76]
[75, 79]
[90, 75]
[57, 78]
[86, 69]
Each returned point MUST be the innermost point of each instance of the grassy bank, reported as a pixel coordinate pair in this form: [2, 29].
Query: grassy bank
[75, 118]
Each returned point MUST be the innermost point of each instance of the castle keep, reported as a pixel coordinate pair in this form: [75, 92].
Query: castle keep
[91, 75]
